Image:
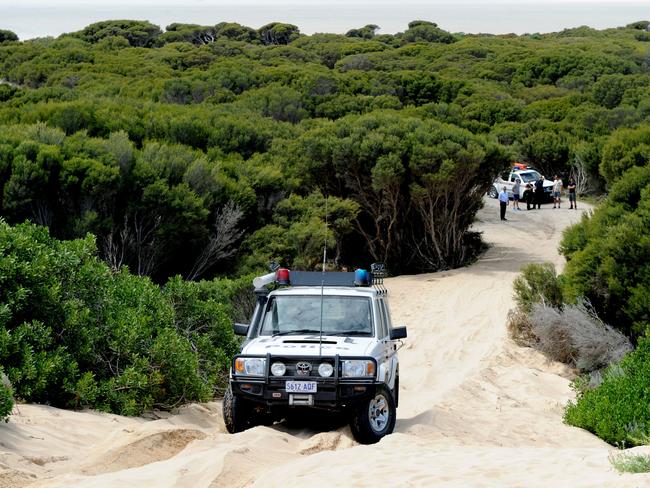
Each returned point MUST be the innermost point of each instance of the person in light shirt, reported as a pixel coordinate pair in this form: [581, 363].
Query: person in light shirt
[504, 201]
[557, 190]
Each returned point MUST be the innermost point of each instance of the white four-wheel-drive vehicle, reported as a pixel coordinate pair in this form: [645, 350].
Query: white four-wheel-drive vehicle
[317, 341]
[508, 179]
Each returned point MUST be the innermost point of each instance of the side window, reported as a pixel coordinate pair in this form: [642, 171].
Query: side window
[381, 320]
[387, 321]
[505, 176]
[513, 177]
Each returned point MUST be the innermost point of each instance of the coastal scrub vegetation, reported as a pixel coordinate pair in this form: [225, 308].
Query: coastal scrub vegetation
[74, 333]
[608, 268]
[6, 397]
[146, 160]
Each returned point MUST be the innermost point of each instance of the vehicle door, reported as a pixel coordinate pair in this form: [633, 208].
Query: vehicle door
[503, 179]
[510, 183]
[388, 347]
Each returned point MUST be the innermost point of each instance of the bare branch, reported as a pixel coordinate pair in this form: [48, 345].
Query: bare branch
[221, 243]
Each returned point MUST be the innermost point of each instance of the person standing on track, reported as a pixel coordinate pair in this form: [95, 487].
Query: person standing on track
[557, 191]
[539, 192]
[529, 196]
[516, 189]
[572, 194]
[504, 201]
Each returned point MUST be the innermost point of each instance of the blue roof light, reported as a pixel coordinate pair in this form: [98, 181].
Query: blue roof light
[361, 277]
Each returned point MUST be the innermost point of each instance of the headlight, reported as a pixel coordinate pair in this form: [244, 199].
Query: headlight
[325, 369]
[250, 366]
[278, 369]
[358, 367]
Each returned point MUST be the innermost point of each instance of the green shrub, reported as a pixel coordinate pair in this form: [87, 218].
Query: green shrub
[6, 397]
[75, 334]
[617, 411]
[608, 258]
[538, 283]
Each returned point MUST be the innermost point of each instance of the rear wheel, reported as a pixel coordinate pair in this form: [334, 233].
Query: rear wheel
[493, 192]
[375, 417]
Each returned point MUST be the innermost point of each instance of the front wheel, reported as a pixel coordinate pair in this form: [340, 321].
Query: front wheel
[375, 417]
[493, 192]
[236, 413]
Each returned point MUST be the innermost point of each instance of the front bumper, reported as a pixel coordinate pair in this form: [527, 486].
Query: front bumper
[335, 393]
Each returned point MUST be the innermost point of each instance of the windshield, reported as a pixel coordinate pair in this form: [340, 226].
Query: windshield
[529, 176]
[295, 314]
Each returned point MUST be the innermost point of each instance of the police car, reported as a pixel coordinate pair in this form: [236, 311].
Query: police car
[525, 175]
[318, 341]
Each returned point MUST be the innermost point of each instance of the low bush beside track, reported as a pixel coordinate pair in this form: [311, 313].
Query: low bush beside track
[73, 333]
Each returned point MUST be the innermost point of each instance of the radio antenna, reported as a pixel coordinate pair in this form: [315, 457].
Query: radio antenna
[322, 285]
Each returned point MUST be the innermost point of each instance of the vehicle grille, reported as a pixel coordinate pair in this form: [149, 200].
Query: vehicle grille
[298, 367]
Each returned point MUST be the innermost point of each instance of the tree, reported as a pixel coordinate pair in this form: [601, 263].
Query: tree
[7, 36]
[624, 149]
[547, 150]
[236, 32]
[639, 25]
[366, 32]
[277, 33]
[423, 31]
[138, 33]
[302, 227]
[196, 34]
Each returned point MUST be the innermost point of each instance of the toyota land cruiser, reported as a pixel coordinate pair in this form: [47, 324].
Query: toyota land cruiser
[318, 341]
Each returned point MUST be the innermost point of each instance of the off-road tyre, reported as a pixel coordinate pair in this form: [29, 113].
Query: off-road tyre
[493, 193]
[375, 417]
[236, 413]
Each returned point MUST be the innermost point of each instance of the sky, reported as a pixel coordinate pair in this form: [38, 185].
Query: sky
[40, 18]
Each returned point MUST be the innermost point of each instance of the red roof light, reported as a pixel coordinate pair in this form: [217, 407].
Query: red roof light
[282, 276]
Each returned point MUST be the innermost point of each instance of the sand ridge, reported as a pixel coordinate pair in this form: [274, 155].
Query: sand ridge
[475, 409]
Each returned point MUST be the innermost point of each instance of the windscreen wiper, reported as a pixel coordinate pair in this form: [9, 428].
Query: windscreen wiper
[296, 332]
[352, 333]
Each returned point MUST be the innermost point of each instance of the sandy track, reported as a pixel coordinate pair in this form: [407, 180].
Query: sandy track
[475, 409]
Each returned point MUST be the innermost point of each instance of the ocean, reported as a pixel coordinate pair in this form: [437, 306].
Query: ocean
[496, 18]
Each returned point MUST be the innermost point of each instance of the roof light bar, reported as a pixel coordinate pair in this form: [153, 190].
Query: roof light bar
[285, 277]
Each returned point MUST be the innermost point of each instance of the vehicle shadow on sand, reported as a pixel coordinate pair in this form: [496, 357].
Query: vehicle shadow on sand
[308, 423]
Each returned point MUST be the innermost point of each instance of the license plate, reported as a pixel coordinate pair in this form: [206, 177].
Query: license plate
[300, 386]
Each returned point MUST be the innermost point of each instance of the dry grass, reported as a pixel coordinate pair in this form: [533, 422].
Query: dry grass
[573, 335]
[631, 463]
[520, 328]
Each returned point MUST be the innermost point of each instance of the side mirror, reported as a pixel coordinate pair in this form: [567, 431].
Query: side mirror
[398, 333]
[241, 329]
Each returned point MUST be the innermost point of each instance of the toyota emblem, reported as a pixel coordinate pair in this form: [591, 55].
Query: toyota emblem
[303, 368]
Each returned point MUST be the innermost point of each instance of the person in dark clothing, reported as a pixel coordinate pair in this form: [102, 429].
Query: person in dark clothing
[572, 194]
[539, 192]
[529, 196]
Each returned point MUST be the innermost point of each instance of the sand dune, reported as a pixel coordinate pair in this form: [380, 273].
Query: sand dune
[475, 409]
